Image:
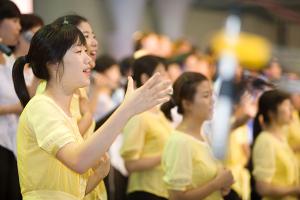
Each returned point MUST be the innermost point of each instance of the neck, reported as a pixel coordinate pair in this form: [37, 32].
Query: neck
[18, 53]
[60, 95]
[191, 125]
[274, 129]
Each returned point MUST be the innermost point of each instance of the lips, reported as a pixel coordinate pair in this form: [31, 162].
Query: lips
[87, 71]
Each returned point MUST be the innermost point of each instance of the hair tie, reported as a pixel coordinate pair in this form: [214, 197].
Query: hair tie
[65, 21]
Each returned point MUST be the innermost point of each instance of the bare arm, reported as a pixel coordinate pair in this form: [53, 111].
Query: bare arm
[11, 109]
[100, 172]
[142, 164]
[269, 190]
[80, 157]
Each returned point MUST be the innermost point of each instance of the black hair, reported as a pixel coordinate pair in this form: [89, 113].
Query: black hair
[48, 45]
[145, 65]
[29, 21]
[71, 19]
[103, 63]
[184, 88]
[8, 9]
[126, 65]
[268, 102]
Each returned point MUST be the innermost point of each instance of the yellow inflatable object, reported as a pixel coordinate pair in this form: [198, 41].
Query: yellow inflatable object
[252, 51]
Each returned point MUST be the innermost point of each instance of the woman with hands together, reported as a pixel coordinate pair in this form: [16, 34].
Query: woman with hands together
[190, 170]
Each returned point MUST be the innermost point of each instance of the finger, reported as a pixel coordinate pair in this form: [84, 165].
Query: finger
[163, 85]
[162, 100]
[165, 93]
[130, 85]
[155, 79]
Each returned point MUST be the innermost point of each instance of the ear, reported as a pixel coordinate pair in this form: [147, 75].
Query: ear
[144, 78]
[186, 105]
[261, 120]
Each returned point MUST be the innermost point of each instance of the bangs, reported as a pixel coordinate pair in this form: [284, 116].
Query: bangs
[9, 10]
[72, 36]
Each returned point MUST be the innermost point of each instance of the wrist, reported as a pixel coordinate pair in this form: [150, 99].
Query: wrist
[126, 111]
[215, 184]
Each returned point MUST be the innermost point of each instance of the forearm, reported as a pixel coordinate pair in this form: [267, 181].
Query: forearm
[94, 180]
[85, 122]
[81, 157]
[195, 194]
[11, 109]
[142, 164]
[269, 190]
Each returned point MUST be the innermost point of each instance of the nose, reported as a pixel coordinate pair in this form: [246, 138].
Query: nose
[87, 58]
[94, 42]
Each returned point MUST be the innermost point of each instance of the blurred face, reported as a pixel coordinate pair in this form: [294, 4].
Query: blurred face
[113, 75]
[92, 43]
[76, 68]
[202, 106]
[284, 112]
[151, 44]
[10, 31]
[25, 39]
[165, 47]
[174, 72]
[161, 69]
[274, 72]
[296, 101]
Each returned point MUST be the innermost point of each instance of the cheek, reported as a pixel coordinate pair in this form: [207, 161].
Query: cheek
[88, 43]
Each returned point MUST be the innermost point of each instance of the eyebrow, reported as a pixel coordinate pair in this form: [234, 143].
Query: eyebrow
[88, 32]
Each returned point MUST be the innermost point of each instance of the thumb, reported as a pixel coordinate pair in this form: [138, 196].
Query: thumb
[130, 86]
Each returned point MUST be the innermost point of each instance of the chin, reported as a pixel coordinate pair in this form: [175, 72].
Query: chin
[85, 83]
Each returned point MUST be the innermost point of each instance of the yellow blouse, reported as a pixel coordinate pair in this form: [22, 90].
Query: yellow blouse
[145, 136]
[43, 129]
[294, 134]
[274, 162]
[188, 164]
[99, 193]
[236, 161]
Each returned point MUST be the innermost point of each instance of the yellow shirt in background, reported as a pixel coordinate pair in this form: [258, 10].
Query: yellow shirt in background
[294, 134]
[189, 164]
[145, 136]
[274, 162]
[43, 129]
[236, 161]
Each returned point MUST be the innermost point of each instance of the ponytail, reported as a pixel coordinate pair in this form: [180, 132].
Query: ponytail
[19, 81]
[166, 108]
[257, 127]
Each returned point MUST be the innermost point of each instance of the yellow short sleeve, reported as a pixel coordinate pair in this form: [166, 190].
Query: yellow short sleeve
[264, 159]
[177, 164]
[41, 87]
[50, 127]
[134, 138]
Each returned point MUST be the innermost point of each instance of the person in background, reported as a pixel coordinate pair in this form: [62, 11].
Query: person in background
[144, 137]
[275, 167]
[190, 169]
[9, 104]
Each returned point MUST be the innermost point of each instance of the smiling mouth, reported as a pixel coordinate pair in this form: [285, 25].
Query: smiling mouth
[93, 53]
[88, 70]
